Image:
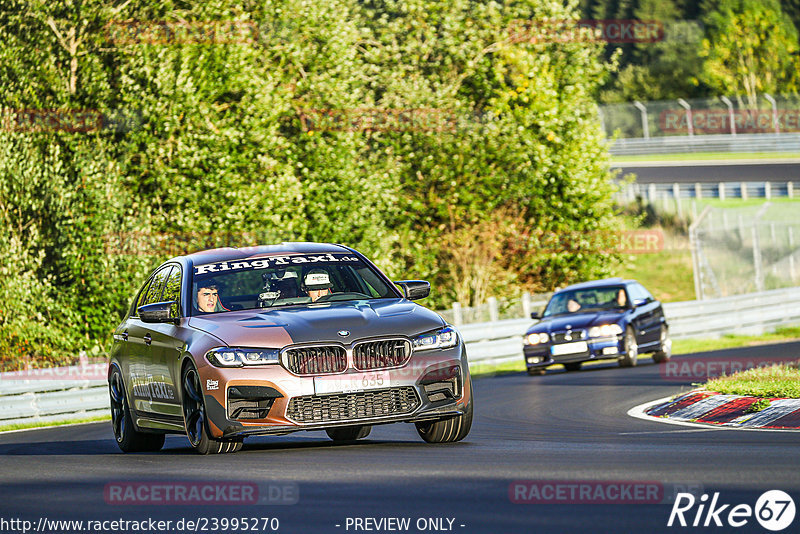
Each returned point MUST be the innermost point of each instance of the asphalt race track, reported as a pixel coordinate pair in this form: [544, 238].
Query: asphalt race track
[564, 427]
[712, 171]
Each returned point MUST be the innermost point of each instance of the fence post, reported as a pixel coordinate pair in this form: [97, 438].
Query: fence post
[685, 105]
[493, 315]
[645, 126]
[526, 305]
[789, 189]
[767, 190]
[744, 190]
[722, 190]
[676, 192]
[774, 113]
[651, 193]
[759, 277]
[458, 317]
[730, 113]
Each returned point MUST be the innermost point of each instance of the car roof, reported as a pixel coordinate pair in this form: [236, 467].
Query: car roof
[605, 282]
[241, 253]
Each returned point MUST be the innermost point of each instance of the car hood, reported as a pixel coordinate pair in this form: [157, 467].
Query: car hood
[322, 322]
[575, 321]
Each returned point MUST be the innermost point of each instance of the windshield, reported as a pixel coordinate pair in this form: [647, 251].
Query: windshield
[273, 281]
[587, 300]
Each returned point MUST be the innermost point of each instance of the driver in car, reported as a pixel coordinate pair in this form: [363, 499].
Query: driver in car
[317, 284]
[208, 298]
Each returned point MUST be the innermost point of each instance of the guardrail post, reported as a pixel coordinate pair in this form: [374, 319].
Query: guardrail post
[789, 189]
[698, 190]
[767, 190]
[651, 193]
[493, 315]
[722, 190]
[744, 190]
[458, 317]
[526, 305]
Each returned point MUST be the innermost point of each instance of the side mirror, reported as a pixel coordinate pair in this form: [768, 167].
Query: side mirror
[535, 315]
[639, 302]
[158, 312]
[414, 289]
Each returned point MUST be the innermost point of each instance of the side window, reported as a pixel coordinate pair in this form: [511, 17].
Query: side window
[645, 294]
[156, 286]
[172, 290]
[139, 300]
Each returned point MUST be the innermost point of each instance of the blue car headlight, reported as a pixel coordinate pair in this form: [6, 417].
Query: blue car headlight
[605, 330]
[238, 357]
[442, 338]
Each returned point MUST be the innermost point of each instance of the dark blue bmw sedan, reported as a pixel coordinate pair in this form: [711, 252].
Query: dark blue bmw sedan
[604, 319]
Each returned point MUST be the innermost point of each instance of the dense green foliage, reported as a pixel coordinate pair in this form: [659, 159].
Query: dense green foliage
[208, 142]
[709, 48]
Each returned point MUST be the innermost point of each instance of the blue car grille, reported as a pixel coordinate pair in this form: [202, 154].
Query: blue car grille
[561, 337]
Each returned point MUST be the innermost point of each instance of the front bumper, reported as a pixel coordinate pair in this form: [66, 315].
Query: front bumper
[282, 402]
[540, 356]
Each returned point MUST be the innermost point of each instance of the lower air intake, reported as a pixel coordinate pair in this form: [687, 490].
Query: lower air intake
[353, 406]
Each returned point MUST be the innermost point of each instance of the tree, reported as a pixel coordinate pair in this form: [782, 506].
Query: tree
[751, 49]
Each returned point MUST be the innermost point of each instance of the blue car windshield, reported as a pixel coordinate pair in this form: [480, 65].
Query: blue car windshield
[587, 300]
[272, 281]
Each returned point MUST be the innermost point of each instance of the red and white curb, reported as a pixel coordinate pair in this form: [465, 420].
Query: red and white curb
[709, 409]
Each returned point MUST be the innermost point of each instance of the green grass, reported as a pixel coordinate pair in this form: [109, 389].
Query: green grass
[769, 382]
[666, 274]
[22, 426]
[706, 156]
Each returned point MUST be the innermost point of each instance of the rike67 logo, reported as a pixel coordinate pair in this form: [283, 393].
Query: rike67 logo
[774, 510]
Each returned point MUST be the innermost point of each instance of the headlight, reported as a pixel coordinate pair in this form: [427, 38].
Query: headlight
[606, 330]
[438, 339]
[536, 338]
[234, 357]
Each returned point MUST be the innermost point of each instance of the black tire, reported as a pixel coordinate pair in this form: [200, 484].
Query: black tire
[631, 348]
[194, 418]
[572, 366]
[535, 371]
[447, 430]
[128, 438]
[664, 353]
[348, 433]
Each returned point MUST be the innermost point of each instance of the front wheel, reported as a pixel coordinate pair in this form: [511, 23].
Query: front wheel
[194, 417]
[447, 430]
[664, 353]
[128, 438]
[631, 349]
[348, 433]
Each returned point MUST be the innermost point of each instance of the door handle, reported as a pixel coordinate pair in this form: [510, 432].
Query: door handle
[124, 335]
[147, 339]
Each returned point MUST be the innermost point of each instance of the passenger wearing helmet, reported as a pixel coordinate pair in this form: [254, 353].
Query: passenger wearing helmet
[317, 283]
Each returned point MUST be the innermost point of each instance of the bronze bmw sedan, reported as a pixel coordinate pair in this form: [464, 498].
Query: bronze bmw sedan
[268, 340]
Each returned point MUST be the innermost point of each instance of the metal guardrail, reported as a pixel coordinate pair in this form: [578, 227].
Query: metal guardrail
[487, 343]
[784, 142]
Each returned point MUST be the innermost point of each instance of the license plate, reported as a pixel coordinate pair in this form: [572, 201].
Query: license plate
[569, 348]
[351, 382]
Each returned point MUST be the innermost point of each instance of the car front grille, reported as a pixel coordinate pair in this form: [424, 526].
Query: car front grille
[353, 406]
[316, 360]
[561, 337]
[381, 354]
